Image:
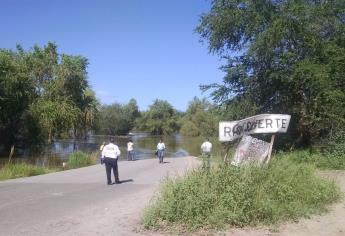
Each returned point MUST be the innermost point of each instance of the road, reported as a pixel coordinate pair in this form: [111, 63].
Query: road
[79, 202]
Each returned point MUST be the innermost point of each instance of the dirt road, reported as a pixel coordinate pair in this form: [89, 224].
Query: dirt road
[78, 202]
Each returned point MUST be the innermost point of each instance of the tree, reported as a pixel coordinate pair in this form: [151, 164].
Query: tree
[161, 118]
[131, 111]
[42, 94]
[283, 57]
[118, 119]
[89, 111]
[54, 116]
[201, 118]
[17, 90]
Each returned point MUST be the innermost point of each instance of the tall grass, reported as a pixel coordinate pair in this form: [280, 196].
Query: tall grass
[18, 170]
[321, 160]
[228, 195]
[11, 171]
[331, 156]
[80, 159]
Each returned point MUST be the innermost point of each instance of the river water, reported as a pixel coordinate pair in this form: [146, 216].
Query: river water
[144, 145]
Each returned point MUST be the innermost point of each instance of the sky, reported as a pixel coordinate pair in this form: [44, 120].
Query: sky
[141, 49]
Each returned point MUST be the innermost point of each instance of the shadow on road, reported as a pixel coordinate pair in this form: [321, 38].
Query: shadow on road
[126, 180]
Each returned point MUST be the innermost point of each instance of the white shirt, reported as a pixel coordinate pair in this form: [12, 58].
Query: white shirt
[111, 150]
[130, 146]
[206, 146]
[160, 146]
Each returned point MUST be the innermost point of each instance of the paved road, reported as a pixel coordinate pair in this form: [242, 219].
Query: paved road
[78, 202]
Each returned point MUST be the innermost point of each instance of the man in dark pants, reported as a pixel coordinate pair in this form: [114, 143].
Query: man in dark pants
[110, 154]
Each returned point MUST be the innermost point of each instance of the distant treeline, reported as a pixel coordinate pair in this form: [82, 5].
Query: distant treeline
[45, 95]
[201, 118]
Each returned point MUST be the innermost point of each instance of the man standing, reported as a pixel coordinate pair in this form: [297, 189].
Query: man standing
[206, 149]
[130, 150]
[110, 154]
[160, 150]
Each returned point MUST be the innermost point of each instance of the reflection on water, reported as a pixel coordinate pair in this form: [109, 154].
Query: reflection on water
[144, 146]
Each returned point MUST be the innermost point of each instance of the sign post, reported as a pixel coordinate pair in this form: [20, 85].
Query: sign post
[270, 150]
[259, 124]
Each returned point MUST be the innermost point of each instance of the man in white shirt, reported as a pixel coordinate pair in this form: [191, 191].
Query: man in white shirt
[110, 154]
[130, 151]
[206, 149]
[160, 150]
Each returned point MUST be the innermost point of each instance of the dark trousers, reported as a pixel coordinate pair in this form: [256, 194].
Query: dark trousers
[206, 156]
[130, 156]
[111, 163]
[160, 155]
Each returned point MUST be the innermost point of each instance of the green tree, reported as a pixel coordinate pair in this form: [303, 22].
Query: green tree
[54, 116]
[131, 111]
[161, 118]
[42, 93]
[283, 57]
[118, 119]
[17, 91]
[201, 118]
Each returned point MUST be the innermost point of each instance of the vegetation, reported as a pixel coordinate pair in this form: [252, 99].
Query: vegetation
[42, 95]
[282, 57]
[12, 171]
[241, 196]
[201, 119]
[45, 95]
[330, 156]
[18, 170]
[79, 159]
[118, 119]
[161, 118]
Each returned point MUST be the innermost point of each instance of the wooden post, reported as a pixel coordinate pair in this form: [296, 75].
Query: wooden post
[270, 149]
[11, 154]
[226, 154]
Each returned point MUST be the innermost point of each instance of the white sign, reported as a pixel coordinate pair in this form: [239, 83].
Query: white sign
[250, 150]
[260, 124]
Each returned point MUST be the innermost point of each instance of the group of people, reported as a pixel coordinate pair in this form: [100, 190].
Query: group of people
[111, 152]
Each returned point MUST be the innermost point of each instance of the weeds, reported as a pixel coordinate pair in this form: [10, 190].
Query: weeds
[80, 159]
[11, 171]
[333, 159]
[284, 190]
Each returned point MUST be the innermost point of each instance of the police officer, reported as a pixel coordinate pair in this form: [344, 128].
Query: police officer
[160, 150]
[206, 148]
[110, 154]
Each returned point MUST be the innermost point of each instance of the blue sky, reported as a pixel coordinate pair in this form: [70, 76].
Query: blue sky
[142, 49]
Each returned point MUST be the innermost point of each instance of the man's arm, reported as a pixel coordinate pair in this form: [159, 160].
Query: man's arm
[117, 151]
[103, 152]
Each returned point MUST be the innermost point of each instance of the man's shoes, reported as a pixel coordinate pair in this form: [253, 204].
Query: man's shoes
[109, 183]
[117, 182]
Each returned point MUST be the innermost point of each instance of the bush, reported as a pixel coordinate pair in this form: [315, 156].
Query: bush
[79, 159]
[11, 171]
[335, 152]
[323, 160]
[235, 196]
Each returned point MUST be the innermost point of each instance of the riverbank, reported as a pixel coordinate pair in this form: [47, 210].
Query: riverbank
[13, 170]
